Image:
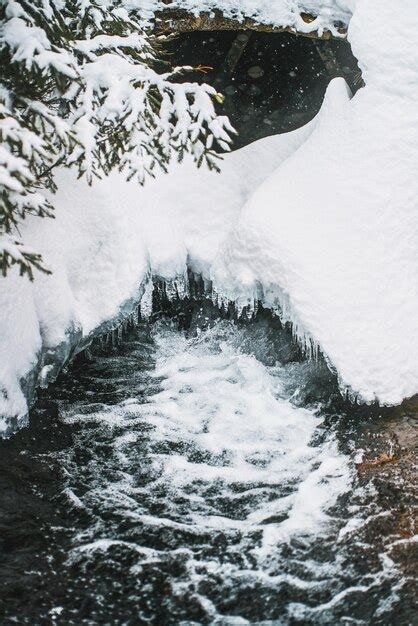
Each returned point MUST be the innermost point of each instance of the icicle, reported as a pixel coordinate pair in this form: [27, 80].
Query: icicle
[145, 307]
[177, 288]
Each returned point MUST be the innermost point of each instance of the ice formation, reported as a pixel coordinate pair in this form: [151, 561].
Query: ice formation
[321, 222]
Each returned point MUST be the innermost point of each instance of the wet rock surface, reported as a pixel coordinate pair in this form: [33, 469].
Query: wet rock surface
[390, 462]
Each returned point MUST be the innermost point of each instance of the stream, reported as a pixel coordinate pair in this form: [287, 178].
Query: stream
[202, 471]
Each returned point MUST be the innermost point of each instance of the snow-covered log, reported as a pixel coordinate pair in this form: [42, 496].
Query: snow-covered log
[315, 18]
[178, 21]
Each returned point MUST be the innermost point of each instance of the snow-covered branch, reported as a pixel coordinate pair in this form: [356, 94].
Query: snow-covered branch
[82, 85]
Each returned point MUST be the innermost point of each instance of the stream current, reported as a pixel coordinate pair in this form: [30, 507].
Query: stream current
[196, 473]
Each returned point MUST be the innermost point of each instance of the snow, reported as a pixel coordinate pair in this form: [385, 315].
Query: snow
[189, 212]
[28, 43]
[322, 223]
[20, 342]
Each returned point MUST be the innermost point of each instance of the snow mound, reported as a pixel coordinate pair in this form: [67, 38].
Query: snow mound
[332, 234]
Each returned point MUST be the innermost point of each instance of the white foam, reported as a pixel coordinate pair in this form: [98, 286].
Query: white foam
[240, 436]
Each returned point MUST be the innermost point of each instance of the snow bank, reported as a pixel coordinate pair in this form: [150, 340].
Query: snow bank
[332, 235]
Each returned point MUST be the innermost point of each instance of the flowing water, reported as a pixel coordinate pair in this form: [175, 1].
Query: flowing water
[195, 475]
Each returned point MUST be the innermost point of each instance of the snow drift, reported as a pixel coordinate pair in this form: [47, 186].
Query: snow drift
[321, 223]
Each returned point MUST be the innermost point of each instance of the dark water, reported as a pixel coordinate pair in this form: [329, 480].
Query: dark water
[272, 82]
[204, 473]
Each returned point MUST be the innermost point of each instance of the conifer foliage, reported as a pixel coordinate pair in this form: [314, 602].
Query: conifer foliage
[82, 85]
